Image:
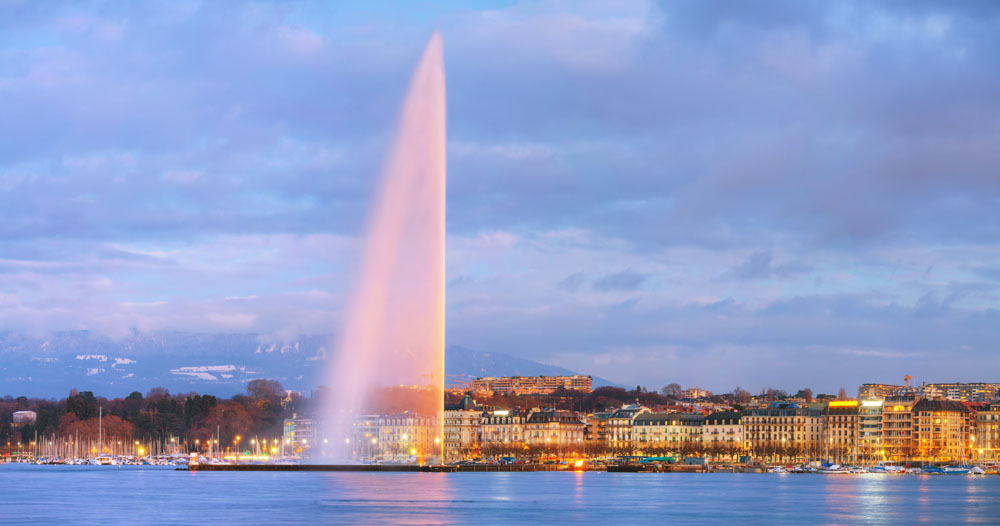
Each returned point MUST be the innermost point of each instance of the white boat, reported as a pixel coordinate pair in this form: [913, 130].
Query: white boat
[835, 469]
[778, 469]
[103, 461]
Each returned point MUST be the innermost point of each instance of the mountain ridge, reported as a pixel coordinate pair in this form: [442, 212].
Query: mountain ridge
[209, 363]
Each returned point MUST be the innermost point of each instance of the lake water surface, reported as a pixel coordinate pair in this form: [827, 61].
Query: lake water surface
[136, 495]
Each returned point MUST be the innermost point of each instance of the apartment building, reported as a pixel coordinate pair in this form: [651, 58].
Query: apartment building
[784, 424]
[941, 430]
[840, 426]
[723, 427]
[897, 427]
[532, 384]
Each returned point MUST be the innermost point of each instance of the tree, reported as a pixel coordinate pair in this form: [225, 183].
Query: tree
[741, 395]
[108, 428]
[231, 419]
[673, 390]
[807, 393]
[261, 389]
[83, 405]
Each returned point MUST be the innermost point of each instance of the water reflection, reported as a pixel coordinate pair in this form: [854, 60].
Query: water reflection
[96, 495]
[410, 498]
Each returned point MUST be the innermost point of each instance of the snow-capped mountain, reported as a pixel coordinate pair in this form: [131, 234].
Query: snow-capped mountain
[218, 364]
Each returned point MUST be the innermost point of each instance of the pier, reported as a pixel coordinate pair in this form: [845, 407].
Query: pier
[384, 468]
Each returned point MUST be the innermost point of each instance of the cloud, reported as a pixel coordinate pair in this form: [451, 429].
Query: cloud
[759, 265]
[98, 357]
[572, 283]
[122, 361]
[788, 173]
[627, 279]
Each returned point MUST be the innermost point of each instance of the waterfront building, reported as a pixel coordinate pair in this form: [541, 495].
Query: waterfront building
[595, 428]
[364, 437]
[502, 425]
[501, 429]
[553, 428]
[840, 429]
[408, 434]
[941, 430]
[620, 425]
[461, 427]
[685, 428]
[988, 433]
[783, 427]
[723, 428]
[532, 384]
[869, 441]
[650, 431]
[666, 432]
[897, 427]
[298, 434]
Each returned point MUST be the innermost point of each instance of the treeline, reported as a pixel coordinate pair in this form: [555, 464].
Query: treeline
[157, 417]
[608, 398]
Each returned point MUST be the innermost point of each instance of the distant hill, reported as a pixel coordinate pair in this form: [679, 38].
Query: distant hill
[217, 364]
[465, 363]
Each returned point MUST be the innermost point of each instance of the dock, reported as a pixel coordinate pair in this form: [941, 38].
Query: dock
[381, 468]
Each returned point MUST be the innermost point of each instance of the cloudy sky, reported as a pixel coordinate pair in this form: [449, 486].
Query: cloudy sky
[720, 194]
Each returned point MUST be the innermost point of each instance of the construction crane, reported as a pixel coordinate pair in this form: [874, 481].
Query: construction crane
[907, 379]
[458, 380]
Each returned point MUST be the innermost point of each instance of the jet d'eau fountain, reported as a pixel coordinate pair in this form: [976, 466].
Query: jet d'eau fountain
[389, 357]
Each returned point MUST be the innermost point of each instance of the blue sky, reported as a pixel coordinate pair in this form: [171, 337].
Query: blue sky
[721, 194]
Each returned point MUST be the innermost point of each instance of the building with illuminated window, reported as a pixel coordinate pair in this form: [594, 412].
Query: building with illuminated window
[783, 425]
[364, 437]
[879, 391]
[553, 428]
[941, 430]
[988, 433]
[694, 393]
[869, 441]
[23, 418]
[897, 427]
[502, 428]
[723, 428]
[620, 425]
[595, 428]
[298, 434]
[972, 392]
[650, 431]
[461, 427]
[666, 432]
[407, 434]
[840, 429]
[532, 384]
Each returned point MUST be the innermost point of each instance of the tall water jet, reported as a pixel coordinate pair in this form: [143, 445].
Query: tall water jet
[390, 355]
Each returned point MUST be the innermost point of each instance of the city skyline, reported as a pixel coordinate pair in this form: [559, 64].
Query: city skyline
[649, 193]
